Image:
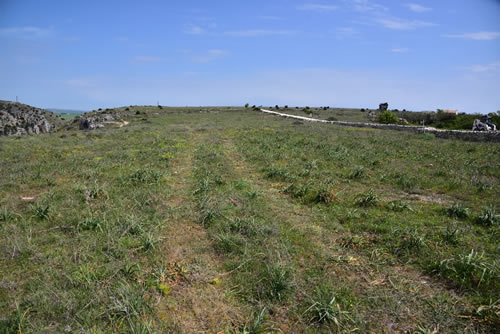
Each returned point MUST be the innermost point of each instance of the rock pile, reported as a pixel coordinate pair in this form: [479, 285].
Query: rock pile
[484, 124]
[17, 119]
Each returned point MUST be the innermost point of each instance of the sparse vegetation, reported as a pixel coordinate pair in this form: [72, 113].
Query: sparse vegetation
[233, 222]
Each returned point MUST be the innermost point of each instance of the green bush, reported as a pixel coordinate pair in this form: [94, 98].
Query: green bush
[387, 117]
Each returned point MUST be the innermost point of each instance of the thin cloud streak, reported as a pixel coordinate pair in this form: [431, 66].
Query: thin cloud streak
[399, 24]
[493, 67]
[417, 8]
[317, 7]
[400, 50]
[26, 32]
[258, 32]
[194, 30]
[210, 55]
[476, 36]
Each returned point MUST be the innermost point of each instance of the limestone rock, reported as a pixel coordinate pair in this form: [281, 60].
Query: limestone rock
[17, 119]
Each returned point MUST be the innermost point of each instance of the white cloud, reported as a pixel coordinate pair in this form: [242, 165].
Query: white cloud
[210, 55]
[417, 8]
[367, 6]
[258, 32]
[400, 24]
[194, 30]
[26, 32]
[317, 7]
[400, 50]
[492, 67]
[344, 32]
[477, 36]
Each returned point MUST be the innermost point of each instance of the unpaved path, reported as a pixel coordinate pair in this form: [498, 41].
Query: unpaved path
[196, 303]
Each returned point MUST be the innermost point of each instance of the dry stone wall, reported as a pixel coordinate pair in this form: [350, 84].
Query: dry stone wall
[493, 136]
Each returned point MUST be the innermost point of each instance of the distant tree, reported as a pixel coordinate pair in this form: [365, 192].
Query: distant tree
[246, 106]
[277, 107]
[286, 107]
[160, 107]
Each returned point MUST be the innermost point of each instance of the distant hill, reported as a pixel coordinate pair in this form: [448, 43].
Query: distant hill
[66, 111]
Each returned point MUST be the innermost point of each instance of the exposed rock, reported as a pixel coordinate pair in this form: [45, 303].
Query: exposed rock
[484, 124]
[93, 122]
[371, 115]
[403, 121]
[17, 119]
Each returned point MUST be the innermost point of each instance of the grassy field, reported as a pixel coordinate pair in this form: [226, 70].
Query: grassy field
[226, 220]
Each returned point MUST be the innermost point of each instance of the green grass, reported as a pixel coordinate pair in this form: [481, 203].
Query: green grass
[226, 219]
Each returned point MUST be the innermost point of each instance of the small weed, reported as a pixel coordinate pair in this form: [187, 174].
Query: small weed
[149, 242]
[41, 211]
[425, 330]
[129, 270]
[469, 270]
[357, 173]
[367, 199]
[256, 327]
[95, 192]
[128, 303]
[399, 206]
[91, 224]
[133, 226]
[229, 243]
[5, 215]
[324, 195]
[406, 182]
[297, 191]
[208, 213]
[278, 173]
[490, 312]
[451, 234]
[145, 176]
[277, 282]
[457, 210]
[352, 241]
[325, 307]
[247, 227]
[488, 217]
[204, 186]
[413, 240]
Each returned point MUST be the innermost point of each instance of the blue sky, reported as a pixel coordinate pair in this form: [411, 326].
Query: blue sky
[418, 55]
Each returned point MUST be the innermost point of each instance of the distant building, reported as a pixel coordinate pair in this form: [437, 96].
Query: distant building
[454, 112]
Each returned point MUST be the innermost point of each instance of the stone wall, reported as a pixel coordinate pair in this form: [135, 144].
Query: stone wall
[448, 134]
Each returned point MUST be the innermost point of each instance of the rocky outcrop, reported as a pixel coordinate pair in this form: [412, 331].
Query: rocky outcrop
[17, 119]
[93, 122]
